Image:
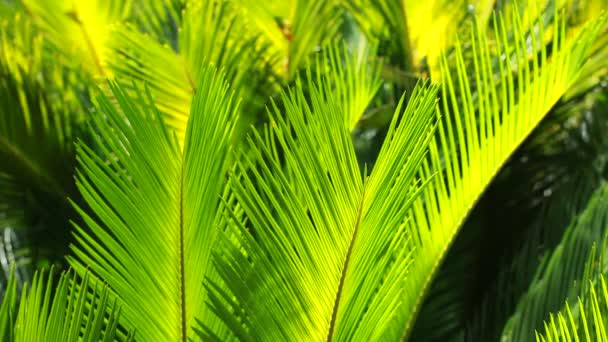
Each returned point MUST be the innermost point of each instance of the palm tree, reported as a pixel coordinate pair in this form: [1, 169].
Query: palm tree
[303, 170]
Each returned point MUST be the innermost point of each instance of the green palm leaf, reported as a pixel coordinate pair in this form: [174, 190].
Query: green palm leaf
[550, 180]
[154, 207]
[581, 284]
[479, 133]
[527, 208]
[68, 310]
[587, 323]
[209, 33]
[8, 307]
[325, 255]
[553, 282]
[353, 78]
[292, 30]
[159, 18]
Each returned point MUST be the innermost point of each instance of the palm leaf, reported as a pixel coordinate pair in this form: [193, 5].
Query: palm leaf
[583, 317]
[209, 33]
[353, 78]
[292, 30]
[589, 322]
[481, 132]
[523, 215]
[417, 31]
[153, 207]
[79, 28]
[521, 261]
[434, 25]
[8, 307]
[448, 303]
[68, 310]
[596, 69]
[27, 115]
[325, 255]
[385, 21]
[554, 280]
[40, 115]
[159, 18]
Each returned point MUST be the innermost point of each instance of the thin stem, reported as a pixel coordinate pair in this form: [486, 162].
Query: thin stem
[332, 323]
[182, 275]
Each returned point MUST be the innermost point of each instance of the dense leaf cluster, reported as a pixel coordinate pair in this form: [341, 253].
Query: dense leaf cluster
[303, 170]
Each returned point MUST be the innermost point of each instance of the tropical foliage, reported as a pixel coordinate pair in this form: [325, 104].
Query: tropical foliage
[303, 170]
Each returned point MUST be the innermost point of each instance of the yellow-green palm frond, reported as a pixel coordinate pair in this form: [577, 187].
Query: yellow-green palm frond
[324, 254]
[79, 29]
[418, 31]
[153, 207]
[433, 26]
[352, 77]
[291, 30]
[596, 69]
[481, 129]
[209, 33]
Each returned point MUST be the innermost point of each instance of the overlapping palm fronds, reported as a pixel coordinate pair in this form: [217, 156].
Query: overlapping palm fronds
[481, 132]
[583, 316]
[41, 112]
[226, 187]
[554, 281]
[292, 30]
[209, 33]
